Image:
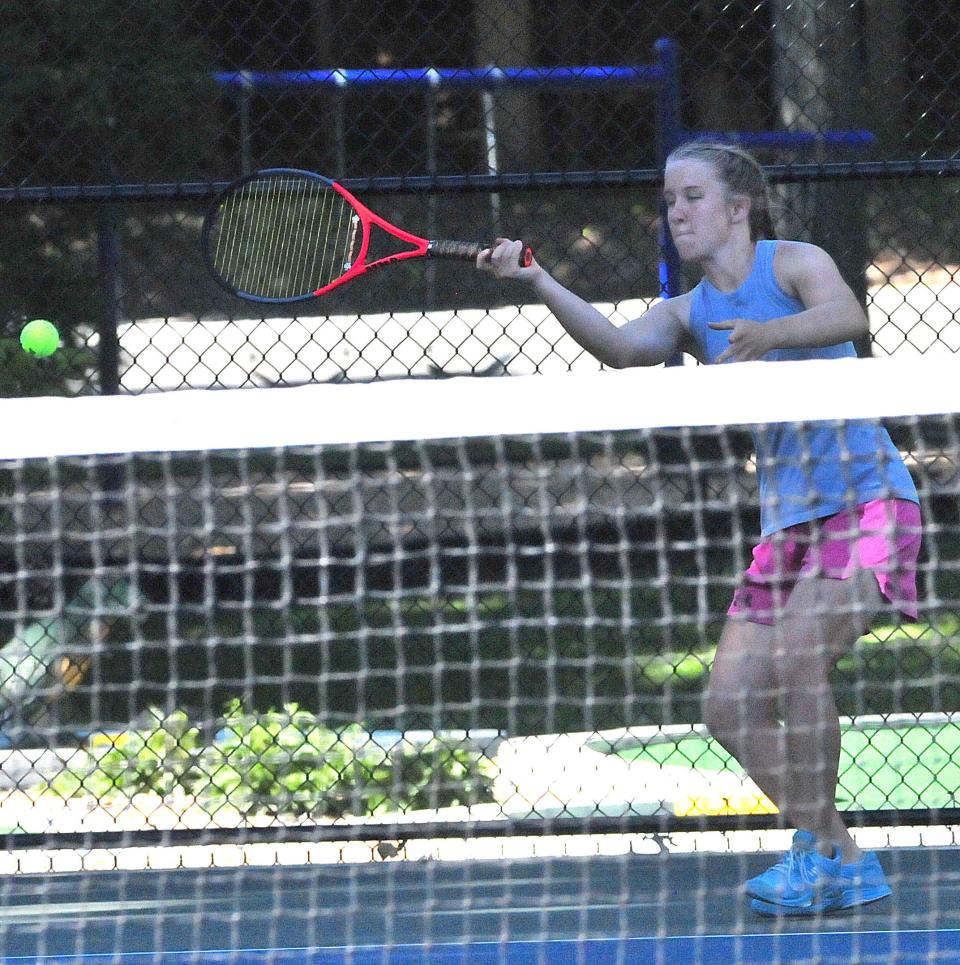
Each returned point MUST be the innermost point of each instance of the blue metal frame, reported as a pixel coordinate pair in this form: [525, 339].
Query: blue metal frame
[468, 78]
[663, 75]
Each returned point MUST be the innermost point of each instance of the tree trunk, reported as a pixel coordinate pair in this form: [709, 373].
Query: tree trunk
[503, 39]
[817, 76]
[720, 89]
[321, 27]
[885, 48]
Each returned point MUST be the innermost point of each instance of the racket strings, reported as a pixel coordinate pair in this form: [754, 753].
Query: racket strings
[282, 237]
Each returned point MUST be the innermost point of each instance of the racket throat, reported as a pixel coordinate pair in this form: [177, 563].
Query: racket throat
[352, 246]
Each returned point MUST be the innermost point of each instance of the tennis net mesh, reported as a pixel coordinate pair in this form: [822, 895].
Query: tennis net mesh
[472, 602]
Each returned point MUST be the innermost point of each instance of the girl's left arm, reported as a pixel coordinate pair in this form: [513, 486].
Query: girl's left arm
[832, 313]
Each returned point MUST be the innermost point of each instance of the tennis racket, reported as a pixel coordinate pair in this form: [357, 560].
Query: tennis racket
[284, 235]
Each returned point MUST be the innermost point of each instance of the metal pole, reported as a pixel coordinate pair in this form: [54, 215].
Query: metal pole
[246, 93]
[489, 105]
[431, 132]
[339, 124]
[108, 358]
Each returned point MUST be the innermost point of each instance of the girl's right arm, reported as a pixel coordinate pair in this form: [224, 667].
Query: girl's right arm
[652, 338]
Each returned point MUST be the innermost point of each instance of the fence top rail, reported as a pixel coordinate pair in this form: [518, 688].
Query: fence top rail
[474, 78]
[534, 181]
[794, 139]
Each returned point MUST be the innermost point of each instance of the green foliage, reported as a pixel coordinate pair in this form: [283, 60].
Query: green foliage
[282, 762]
[159, 759]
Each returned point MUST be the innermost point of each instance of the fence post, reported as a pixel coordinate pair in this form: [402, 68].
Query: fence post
[108, 356]
[491, 157]
[430, 119]
[246, 135]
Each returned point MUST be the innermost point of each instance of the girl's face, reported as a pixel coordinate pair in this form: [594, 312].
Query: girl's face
[698, 214]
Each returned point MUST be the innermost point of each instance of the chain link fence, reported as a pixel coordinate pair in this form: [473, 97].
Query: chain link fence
[119, 123]
[115, 137]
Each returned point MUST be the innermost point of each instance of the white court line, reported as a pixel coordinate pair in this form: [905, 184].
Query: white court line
[52, 909]
[780, 938]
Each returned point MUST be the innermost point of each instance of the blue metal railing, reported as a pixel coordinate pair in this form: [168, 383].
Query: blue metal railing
[457, 78]
[663, 76]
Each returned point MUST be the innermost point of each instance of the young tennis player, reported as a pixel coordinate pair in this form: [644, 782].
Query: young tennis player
[840, 519]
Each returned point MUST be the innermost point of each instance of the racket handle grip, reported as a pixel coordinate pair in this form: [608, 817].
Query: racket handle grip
[468, 251]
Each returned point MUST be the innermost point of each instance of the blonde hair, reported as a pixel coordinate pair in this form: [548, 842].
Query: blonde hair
[740, 174]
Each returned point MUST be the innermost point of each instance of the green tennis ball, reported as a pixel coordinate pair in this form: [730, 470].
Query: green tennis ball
[40, 338]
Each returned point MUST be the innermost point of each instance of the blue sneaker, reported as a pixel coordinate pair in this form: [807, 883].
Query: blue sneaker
[804, 882]
[863, 882]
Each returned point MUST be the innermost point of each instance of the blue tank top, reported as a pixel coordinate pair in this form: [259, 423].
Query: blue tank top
[810, 470]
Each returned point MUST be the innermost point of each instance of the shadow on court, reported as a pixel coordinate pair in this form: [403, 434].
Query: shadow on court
[552, 911]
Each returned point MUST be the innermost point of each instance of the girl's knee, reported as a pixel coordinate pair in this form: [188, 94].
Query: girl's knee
[738, 694]
[729, 712]
[803, 663]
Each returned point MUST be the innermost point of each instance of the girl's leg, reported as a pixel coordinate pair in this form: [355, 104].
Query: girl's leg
[761, 672]
[822, 620]
[742, 707]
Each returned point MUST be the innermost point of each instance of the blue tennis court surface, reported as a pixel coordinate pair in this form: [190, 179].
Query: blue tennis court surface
[666, 909]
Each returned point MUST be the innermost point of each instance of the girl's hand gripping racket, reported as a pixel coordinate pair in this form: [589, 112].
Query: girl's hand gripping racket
[283, 235]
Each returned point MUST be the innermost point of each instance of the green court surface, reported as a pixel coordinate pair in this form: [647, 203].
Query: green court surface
[883, 765]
